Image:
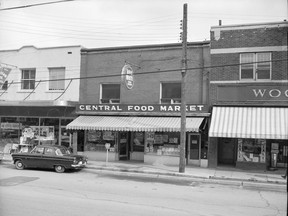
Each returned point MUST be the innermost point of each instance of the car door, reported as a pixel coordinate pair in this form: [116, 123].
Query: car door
[49, 157]
[34, 159]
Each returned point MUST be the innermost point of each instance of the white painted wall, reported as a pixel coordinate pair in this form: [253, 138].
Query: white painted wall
[41, 59]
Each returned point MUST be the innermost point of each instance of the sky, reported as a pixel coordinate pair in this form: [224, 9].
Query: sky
[113, 23]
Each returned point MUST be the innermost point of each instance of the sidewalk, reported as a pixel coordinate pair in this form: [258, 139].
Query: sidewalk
[219, 175]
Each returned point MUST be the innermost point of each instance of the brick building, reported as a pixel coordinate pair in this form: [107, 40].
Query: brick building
[249, 95]
[137, 113]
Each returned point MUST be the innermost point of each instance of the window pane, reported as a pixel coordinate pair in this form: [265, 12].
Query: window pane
[263, 69]
[58, 76]
[246, 69]
[110, 91]
[31, 84]
[171, 90]
[32, 74]
[25, 74]
[25, 84]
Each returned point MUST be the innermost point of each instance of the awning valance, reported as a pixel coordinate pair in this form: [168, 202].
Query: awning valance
[121, 123]
[249, 122]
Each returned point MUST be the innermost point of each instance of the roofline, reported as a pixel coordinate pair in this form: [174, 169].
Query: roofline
[40, 103]
[171, 45]
[42, 48]
[276, 24]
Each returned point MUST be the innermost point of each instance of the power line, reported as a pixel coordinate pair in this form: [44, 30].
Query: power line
[159, 71]
[33, 5]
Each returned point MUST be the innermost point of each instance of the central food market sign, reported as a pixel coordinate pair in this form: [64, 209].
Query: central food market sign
[139, 108]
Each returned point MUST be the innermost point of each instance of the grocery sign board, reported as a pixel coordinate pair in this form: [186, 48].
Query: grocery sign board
[163, 108]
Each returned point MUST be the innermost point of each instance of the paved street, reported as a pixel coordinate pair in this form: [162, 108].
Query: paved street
[90, 192]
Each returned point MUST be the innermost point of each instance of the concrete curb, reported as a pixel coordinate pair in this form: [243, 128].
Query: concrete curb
[213, 178]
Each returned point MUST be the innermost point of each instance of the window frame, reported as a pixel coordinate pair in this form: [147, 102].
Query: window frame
[111, 100]
[255, 67]
[30, 80]
[172, 100]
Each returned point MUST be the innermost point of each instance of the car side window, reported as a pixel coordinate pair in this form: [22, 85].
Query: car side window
[49, 151]
[39, 150]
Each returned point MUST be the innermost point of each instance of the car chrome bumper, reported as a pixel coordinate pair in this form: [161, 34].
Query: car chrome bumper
[79, 165]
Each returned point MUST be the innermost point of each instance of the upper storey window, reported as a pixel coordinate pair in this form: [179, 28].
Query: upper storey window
[255, 66]
[171, 93]
[56, 78]
[28, 78]
[110, 93]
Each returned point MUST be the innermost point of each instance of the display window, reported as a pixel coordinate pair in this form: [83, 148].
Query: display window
[96, 140]
[33, 131]
[10, 130]
[163, 143]
[138, 142]
[252, 150]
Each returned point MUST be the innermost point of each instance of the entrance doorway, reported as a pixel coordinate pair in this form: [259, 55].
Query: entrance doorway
[194, 149]
[124, 146]
[227, 152]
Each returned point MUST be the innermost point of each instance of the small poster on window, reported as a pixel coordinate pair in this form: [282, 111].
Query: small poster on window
[108, 135]
[158, 139]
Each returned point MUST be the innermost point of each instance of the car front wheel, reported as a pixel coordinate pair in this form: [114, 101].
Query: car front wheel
[19, 165]
[59, 169]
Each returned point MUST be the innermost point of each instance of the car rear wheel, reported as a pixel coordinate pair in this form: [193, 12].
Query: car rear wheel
[19, 165]
[59, 169]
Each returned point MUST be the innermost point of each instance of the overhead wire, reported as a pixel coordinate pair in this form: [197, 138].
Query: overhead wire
[159, 71]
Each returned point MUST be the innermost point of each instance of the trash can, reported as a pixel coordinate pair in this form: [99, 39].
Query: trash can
[274, 160]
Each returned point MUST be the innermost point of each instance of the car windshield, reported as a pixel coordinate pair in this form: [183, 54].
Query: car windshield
[62, 151]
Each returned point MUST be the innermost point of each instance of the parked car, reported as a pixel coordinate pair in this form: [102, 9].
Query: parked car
[54, 157]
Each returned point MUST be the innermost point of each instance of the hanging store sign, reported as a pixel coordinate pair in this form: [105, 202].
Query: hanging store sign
[127, 76]
[163, 108]
[4, 72]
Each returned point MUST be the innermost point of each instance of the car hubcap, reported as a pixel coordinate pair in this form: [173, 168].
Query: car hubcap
[19, 164]
[59, 168]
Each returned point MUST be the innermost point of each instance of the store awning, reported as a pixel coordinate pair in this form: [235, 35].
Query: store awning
[121, 123]
[249, 122]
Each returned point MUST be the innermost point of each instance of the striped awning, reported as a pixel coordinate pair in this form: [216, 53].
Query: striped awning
[249, 122]
[121, 123]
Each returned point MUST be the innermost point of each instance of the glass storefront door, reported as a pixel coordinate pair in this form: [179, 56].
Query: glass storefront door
[123, 145]
[194, 149]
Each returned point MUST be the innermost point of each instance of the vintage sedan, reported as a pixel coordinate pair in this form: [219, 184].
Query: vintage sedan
[54, 157]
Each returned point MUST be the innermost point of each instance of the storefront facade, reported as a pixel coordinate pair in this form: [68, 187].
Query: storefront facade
[149, 139]
[24, 125]
[248, 96]
[138, 113]
[39, 90]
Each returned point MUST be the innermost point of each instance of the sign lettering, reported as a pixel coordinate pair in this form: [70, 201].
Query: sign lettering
[164, 108]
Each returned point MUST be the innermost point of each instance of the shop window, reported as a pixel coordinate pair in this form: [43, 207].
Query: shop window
[10, 130]
[138, 142]
[252, 150]
[163, 143]
[28, 78]
[96, 140]
[170, 93]
[56, 78]
[48, 131]
[255, 66]
[110, 93]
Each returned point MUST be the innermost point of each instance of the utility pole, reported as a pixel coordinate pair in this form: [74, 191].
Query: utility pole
[182, 161]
